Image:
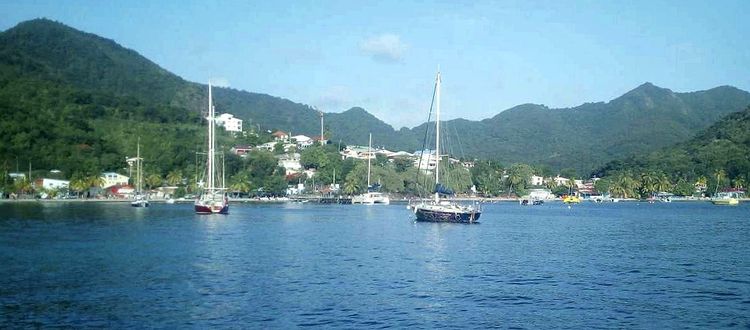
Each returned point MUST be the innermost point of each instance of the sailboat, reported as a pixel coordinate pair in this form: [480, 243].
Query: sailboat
[213, 199]
[371, 197]
[140, 200]
[439, 209]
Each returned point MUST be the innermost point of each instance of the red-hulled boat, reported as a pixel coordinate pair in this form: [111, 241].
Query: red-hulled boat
[213, 199]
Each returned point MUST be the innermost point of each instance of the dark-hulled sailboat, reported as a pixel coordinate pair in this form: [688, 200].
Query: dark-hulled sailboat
[440, 209]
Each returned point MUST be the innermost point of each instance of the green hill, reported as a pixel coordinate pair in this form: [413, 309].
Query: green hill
[725, 146]
[71, 99]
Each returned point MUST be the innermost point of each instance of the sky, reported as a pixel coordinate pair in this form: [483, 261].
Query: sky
[383, 55]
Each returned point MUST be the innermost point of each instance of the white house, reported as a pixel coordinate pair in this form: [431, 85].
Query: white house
[52, 184]
[266, 146]
[303, 141]
[536, 180]
[110, 179]
[560, 181]
[290, 163]
[229, 123]
[426, 160]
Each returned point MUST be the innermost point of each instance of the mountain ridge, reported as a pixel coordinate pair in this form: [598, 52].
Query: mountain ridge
[583, 137]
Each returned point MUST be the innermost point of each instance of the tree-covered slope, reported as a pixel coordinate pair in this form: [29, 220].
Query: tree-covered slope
[68, 81]
[724, 146]
[642, 120]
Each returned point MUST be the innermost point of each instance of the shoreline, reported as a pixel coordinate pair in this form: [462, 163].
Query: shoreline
[316, 198]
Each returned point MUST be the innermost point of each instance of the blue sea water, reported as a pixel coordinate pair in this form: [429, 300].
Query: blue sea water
[618, 265]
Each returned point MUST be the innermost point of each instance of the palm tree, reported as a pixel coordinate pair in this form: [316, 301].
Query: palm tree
[720, 173]
[240, 183]
[648, 183]
[663, 183]
[738, 182]
[22, 186]
[351, 187]
[518, 176]
[623, 185]
[78, 184]
[174, 177]
[551, 184]
[93, 181]
[153, 180]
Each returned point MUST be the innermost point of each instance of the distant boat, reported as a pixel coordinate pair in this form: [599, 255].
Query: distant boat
[139, 199]
[727, 197]
[571, 199]
[213, 199]
[371, 197]
[439, 209]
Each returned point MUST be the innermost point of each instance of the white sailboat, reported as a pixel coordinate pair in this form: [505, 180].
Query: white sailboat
[213, 199]
[139, 199]
[439, 209]
[371, 197]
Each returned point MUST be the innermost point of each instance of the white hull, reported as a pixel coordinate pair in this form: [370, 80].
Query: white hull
[371, 199]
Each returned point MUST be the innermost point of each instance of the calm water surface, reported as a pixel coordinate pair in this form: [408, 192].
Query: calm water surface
[630, 265]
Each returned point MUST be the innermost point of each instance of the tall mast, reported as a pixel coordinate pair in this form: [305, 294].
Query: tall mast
[138, 166]
[437, 132]
[369, 158]
[321, 127]
[210, 183]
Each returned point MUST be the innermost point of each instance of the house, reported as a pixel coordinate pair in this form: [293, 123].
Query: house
[303, 141]
[229, 123]
[110, 179]
[536, 180]
[320, 140]
[560, 181]
[17, 176]
[52, 184]
[353, 152]
[400, 154]
[280, 136]
[426, 160]
[290, 163]
[268, 146]
[241, 150]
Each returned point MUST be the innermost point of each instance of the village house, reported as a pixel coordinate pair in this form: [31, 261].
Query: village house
[268, 146]
[560, 181]
[241, 150]
[51, 184]
[280, 136]
[290, 163]
[536, 180]
[229, 123]
[302, 141]
[110, 179]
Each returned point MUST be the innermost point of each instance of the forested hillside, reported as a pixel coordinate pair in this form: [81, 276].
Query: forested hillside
[71, 99]
[719, 155]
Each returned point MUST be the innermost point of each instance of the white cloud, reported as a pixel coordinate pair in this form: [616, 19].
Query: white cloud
[219, 82]
[384, 47]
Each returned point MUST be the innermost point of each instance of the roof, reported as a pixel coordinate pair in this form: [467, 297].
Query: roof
[279, 134]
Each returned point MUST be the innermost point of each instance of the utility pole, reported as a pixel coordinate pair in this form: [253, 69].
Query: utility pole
[321, 128]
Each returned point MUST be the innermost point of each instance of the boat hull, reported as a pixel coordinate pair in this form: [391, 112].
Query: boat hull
[139, 204]
[726, 201]
[211, 205]
[428, 215]
[211, 209]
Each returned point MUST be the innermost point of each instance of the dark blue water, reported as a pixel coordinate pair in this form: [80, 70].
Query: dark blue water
[622, 265]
